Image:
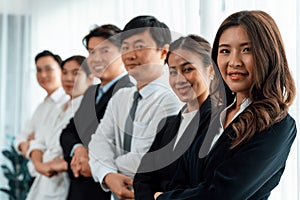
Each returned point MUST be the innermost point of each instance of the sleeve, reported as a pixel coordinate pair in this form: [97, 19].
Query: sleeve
[36, 144]
[45, 133]
[22, 137]
[69, 136]
[39, 143]
[180, 178]
[68, 139]
[29, 128]
[247, 170]
[102, 148]
[129, 162]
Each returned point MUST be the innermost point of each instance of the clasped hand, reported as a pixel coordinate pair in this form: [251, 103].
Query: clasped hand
[52, 167]
[80, 162]
[120, 185]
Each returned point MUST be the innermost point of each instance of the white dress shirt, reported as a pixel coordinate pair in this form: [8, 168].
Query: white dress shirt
[57, 186]
[39, 118]
[106, 147]
[186, 118]
[245, 103]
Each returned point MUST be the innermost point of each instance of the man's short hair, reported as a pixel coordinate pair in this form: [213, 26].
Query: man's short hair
[45, 53]
[159, 31]
[107, 31]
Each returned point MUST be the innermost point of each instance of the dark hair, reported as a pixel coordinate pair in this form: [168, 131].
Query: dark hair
[107, 31]
[159, 31]
[45, 53]
[193, 43]
[270, 99]
[81, 60]
[201, 47]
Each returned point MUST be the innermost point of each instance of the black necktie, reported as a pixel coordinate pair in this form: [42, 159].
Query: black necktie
[129, 122]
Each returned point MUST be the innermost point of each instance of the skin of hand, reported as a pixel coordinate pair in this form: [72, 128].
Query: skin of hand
[58, 165]
[85, 167]
[157, 194]
[52, 167]
[120, 185]
[80, 162]
[45, 169]
[31, 137]
[23, 147]
[49, 168]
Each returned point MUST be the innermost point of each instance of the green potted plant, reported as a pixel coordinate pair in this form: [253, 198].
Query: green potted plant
[17, 174]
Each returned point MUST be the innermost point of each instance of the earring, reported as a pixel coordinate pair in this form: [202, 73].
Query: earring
[211, 77]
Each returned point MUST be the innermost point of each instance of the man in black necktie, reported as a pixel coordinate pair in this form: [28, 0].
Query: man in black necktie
[105, 63]
[127, 129]
[129, 122]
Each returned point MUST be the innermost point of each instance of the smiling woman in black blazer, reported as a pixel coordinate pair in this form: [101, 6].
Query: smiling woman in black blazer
[190, 76]
[247, 158]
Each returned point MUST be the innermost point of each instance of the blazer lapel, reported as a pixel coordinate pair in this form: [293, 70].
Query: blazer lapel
[102, 104]
[223, 138]
[171, 134]
[100, 107]
[188, 136]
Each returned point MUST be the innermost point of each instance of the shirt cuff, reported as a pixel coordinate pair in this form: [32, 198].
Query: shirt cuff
[99, 172]
[17, 143]
[74, 148]
[35, 145]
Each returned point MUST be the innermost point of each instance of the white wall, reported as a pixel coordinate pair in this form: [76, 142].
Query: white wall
[61, 25]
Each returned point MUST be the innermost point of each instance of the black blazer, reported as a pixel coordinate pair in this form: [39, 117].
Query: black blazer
[249, 171]
[79, 130]
[157, 169]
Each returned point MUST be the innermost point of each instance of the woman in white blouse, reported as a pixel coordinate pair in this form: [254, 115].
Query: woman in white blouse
[45, 152]
[190, 75]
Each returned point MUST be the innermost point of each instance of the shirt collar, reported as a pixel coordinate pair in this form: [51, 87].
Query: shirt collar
[57, 94]
[246, 102]
[106, 87]
[153, 86]
[188, 114]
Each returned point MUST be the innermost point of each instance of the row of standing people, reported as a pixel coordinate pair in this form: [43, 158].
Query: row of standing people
[230, 140]
[65, 82]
